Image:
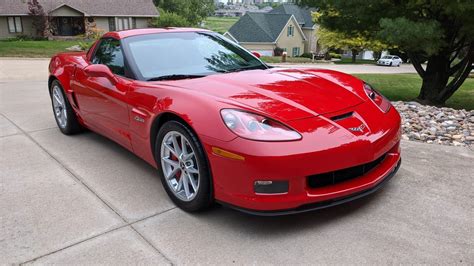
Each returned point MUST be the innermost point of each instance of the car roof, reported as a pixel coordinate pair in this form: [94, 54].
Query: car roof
[129, 33]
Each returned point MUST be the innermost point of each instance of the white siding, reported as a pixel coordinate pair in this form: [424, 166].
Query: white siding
[26, 25]
[142, 23]
[66, 11]
[102, 23]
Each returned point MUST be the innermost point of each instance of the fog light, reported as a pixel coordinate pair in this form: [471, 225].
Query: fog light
[270, 187]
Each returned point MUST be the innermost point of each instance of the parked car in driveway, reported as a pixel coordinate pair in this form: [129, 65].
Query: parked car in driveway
[390, 60]
[218, 124]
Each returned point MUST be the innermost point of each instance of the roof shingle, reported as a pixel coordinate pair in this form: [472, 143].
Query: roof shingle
[89, 7]
[259, 27]
[302, 14]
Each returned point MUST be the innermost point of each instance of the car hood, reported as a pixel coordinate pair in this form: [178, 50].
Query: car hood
[286, 94]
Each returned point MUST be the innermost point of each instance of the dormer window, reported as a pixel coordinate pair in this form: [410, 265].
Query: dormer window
[291, 31]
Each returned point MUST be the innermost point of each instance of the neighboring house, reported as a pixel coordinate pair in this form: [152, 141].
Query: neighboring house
[364, 55]
[76, 17]
[305, 21]
[288, 26]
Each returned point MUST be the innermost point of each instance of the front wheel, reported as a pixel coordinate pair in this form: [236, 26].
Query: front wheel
[63, 113]
[184, 171]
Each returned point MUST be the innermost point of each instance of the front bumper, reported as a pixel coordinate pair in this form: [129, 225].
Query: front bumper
[322, 204]
[326, 146]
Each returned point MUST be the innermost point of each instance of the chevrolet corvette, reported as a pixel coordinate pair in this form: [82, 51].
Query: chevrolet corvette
[220, 125]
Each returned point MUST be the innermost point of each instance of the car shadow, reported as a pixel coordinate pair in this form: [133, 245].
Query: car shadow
[239, 222]
[263, 226]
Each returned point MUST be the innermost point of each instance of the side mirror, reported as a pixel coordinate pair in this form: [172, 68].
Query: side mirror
[257, 55]
[100, 70]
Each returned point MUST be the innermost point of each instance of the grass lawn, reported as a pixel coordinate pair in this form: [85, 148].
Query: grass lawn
[405, 87]
[219, 24]
[277, 59]
[344, 61]
[33, 48]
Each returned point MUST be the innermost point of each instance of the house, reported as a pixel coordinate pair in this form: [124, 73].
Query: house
[287, 26]
[76, 17]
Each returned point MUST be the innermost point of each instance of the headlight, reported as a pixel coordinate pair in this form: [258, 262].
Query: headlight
[256, 127]
[377, 98]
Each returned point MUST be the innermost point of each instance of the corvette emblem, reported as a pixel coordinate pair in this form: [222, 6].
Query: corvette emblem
[357, 129]
[139, 119]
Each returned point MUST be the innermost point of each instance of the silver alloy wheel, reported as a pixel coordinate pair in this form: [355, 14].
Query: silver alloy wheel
[180, 166]
[59, 107]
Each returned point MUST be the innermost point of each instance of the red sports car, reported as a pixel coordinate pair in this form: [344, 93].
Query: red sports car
[220, 125]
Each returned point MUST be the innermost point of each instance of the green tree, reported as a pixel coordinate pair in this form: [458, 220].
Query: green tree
[440, 32]
[194, 11]
[39, 17]
[168, 19]
[355, 43]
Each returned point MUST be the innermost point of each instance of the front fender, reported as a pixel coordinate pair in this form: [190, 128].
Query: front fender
[201, 112]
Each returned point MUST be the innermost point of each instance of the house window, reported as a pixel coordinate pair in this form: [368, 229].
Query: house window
[134, 23]
[14, 25]
[295, 51]
[112, 24]
[291, 31]
[123, 23]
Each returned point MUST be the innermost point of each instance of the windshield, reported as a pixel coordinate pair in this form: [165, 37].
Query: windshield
[186, 55]
[387, 57]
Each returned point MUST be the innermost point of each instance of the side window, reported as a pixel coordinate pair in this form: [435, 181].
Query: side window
[109, 53]
[14, 24]
[290, 31]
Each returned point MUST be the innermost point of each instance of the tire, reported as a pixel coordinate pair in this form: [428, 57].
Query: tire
[391, 63]
[64, 115]
[181, 171]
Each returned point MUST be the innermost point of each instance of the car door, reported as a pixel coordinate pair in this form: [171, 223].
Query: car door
[103, 101]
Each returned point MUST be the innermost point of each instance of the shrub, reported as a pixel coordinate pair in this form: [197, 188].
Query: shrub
[334, 55]
[85, 45]
[168, 19]
[26, 38]
[307, 55]
[96, 33]
[277, 51]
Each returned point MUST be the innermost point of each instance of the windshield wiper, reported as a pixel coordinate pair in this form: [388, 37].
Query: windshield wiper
[244, 68]
[175, 77]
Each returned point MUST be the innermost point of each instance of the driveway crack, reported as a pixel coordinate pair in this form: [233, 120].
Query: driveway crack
[91, 190]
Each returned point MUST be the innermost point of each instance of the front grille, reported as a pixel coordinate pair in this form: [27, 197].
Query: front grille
[331, 178]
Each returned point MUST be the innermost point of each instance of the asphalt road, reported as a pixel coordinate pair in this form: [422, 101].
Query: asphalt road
[83, 199]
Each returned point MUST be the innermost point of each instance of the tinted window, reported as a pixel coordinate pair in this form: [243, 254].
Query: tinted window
[109, 53]
[187, 53]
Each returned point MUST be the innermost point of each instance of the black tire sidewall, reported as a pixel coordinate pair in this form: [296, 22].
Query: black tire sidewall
[204, 197]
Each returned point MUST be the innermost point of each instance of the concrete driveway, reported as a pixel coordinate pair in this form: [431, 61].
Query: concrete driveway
[83, 199]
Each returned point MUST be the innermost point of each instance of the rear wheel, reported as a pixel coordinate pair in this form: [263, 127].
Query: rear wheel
[64, 115]
[184, 170]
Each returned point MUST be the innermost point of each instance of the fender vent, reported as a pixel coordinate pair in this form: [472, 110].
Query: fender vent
[341, 117]
[73, 94]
